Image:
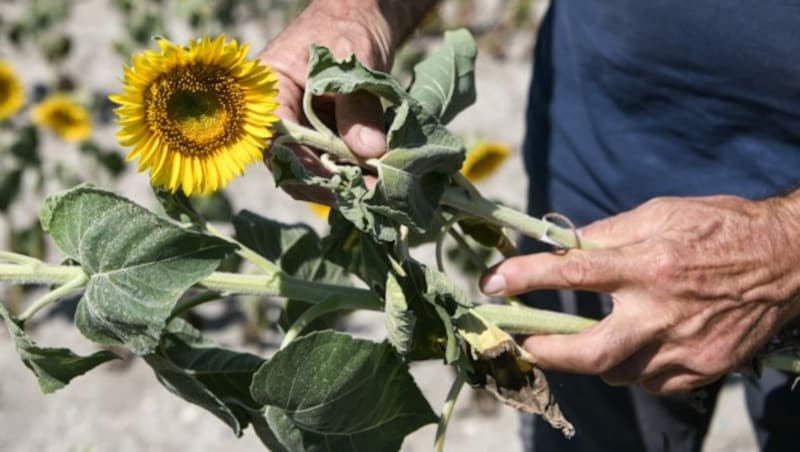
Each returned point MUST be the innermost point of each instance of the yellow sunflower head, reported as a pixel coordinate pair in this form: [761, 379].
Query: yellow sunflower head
[483, 159]
[196, 114]
[63, 116]
[11, 94]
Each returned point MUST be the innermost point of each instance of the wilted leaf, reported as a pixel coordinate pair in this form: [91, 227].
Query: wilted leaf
[499, 365]
[139, 264]
[53, 367]
[344, 393]
[444, 83]
[400, 320]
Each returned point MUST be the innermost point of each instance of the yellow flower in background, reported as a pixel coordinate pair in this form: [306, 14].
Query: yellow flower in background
[320, 210]
[197, 114]
[63, 116]
[483, 159]
[11, 94]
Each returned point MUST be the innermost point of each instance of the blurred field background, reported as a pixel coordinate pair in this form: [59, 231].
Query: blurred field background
[75, 50]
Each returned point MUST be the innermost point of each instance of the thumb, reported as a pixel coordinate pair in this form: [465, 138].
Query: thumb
[359, 120]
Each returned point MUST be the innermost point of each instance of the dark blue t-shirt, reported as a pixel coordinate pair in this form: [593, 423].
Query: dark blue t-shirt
[633, 99]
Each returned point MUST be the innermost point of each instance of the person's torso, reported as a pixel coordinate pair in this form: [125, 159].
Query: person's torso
[635, 99]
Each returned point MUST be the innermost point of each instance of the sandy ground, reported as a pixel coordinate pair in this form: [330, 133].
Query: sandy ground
[122, 408]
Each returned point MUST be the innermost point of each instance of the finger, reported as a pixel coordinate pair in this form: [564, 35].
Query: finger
[602, 270]
[595, 350]
[632, 369]
[359, 120]
[675, 380]
[618, 230]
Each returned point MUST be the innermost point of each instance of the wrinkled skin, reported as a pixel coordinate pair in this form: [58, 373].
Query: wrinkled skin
[358, 117]
[698, 285]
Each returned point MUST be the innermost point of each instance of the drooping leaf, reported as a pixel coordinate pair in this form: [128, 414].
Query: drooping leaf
[201, 373]
[356, 251]
[326, 74]
[413, 174]
[495, 362]
[53, 367]
[444, 82]
[320, 377]
[400, 320]
[139, 264]
[434, 300]
[347, 186]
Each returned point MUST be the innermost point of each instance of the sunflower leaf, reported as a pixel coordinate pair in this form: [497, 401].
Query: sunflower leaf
[326, 74]
[415, 171]
[320, 376]
[444, 82]
[53, 367]
[347, 185]
[138, 263]
[213, 378]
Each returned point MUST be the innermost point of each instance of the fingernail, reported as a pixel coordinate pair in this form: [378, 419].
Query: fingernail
[494, 284]
[373, 141]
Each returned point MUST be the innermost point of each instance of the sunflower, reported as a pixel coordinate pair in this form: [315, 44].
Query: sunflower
[196, 114]
[483, 159]
[11, 94]
[320, 210]
[63, 116]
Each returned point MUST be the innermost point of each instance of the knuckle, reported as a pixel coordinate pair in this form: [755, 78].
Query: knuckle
[575, 269]
[665, 263]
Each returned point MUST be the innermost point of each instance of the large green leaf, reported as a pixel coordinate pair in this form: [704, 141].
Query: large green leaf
[53, 367]
[444, 83]
[139, 264]
[213, 378]
[342, 393]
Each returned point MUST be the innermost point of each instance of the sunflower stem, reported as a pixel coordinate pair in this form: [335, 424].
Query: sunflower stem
[520, 319]
[447, 411]
[544, 231]
[321, 139]
[53, 296]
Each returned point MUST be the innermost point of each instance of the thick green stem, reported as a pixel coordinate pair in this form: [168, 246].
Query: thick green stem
[321, 139]
[542, 230]
[785, 361]
[447, 411]
[53, 295]
[519, 319]
[38, 273]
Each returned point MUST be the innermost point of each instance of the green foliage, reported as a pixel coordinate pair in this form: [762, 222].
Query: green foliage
[321, 376]
[53, 367]
[138, 264]
[214, 378]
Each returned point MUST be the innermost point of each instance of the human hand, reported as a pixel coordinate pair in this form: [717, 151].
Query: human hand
[345, 30]
[698, 285]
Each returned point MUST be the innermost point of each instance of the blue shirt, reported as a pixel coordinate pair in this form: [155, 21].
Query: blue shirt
[633, 99]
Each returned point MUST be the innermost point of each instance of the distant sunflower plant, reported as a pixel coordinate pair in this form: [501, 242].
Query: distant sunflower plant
[12, 95]
[195, 115]
[66, 118]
